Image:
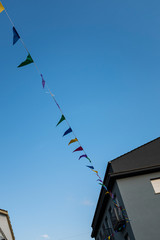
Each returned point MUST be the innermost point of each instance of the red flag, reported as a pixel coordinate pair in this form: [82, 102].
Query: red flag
[78, 149]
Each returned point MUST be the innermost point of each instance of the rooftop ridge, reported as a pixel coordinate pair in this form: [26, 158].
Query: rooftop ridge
[135, 149]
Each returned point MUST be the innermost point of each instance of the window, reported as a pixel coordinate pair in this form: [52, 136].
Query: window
[117, 219]
[156, 185]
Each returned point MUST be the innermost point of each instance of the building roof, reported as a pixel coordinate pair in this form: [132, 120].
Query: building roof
[4, 212]
[141, 160]
[147, 155]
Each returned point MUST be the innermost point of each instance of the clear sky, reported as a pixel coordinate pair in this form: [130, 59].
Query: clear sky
[101, 59]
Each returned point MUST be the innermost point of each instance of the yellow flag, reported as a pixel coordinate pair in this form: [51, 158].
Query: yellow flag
[72, 141]
[109, 238]
[1, 7]
[94, 171]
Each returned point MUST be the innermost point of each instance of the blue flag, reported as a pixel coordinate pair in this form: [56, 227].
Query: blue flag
[16, 36]
[68, 131]
[91, 167]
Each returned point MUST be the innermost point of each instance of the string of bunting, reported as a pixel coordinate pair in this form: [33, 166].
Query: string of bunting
[29, 60]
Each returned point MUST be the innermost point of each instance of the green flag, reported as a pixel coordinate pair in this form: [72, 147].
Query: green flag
[61, 120]
[27, 61]
[89, 159]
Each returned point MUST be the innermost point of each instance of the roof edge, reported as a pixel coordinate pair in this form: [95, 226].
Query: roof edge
[135, 149]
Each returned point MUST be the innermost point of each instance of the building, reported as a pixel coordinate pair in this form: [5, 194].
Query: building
[133, 180]
[6, 231]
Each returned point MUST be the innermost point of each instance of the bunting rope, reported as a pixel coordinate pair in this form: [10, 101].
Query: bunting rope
[29, 60]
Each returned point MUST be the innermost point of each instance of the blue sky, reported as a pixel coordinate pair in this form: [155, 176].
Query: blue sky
[101, 60]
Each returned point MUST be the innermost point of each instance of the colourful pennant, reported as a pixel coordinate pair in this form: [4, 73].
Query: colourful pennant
[91, 167]
[72, 141]
[107, 193]
[83, 156]
[112, 195]
[67, 132]
[98, 175]
[27, 61]
[43, 81]
[99, 180]
[57, 103]
[103, 186]
[95, 171]
[16, 36]
[61, 120]
[78, 149]
[89, 159]
[100, 184]
[1, 7]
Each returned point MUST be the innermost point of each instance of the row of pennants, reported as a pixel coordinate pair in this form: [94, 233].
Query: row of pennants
[29, 60]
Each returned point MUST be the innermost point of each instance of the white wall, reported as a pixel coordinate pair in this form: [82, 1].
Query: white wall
[5, 227]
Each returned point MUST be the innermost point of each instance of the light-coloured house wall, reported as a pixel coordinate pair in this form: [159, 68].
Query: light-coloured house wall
[142, 205]
[5, 226]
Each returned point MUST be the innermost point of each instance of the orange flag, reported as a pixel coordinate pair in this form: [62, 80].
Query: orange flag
[72, 141]
[94, 171]
[1, 7]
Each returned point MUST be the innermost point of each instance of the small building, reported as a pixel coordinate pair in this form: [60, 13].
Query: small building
[6, 231]
[131, 210]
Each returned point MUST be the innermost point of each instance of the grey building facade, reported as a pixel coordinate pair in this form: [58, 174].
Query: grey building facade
[132, 212]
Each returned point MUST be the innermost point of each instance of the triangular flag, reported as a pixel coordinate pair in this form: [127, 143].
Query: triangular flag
[91, 167]
[107, 192]
[16, 36]
[68, 131]
[83, 156]
[78, 149]
[61, 120]
[1, 7]
[89, 159]
[72, 141]
[99, 180]
[95, 171]
[27, 61]
[103, 186]
[43, 81]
